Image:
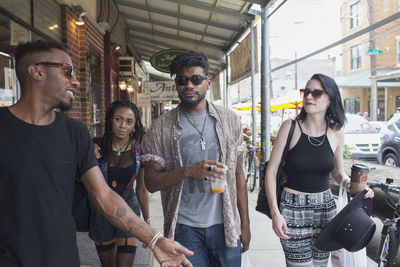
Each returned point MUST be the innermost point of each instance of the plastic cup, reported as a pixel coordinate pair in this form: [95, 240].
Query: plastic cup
[219, 185]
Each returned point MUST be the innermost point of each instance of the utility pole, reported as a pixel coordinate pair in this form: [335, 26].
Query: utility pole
[253, 87]
[374, 101]
[295, 71]
[265, 85]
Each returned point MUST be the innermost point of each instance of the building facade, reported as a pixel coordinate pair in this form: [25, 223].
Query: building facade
[95, 39]
[373, 53]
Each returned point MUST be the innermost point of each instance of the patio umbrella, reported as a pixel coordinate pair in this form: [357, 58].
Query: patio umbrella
[246, 106]
[290, 101]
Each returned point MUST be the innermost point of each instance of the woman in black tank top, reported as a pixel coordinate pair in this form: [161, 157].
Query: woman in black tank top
[118, 155]
[315, 153]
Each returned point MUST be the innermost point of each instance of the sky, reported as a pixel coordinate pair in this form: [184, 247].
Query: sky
[304, 26]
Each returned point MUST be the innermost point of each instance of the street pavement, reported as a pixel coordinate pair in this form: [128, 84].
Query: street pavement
[265, 248]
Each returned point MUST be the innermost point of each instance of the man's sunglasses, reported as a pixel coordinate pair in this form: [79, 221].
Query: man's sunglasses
[69, 70]
[195, 79]
[315, 93]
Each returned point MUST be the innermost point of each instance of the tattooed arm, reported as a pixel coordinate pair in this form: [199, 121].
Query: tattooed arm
[120, 215]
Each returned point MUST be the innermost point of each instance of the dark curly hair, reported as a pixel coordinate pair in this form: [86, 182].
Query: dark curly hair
[107, 137]
[334, 115]
[189, 59]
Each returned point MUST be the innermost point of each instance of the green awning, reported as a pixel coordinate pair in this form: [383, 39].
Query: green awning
[362, 79]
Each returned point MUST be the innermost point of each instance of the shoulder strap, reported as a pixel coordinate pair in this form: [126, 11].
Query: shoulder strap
[301, 129]
[290, 135]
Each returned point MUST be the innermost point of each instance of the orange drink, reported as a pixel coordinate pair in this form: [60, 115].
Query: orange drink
[219, 185]
[217, 189]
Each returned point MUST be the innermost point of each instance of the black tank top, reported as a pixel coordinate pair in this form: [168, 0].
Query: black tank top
[309, 163]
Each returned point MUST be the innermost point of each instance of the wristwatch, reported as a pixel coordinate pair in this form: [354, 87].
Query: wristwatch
[148, 221]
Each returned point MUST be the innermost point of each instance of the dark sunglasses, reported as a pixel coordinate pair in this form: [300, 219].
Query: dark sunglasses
[195, 79]
[315, 93]
[69, 70]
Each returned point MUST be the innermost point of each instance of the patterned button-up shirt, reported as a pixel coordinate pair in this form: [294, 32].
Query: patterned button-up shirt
[161, 144]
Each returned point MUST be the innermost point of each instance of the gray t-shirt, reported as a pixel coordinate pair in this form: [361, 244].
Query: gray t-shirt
[199, 206]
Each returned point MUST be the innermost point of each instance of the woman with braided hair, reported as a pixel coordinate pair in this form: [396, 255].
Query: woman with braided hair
[118, 154]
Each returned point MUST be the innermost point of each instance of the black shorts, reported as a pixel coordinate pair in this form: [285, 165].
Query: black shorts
[101, 230]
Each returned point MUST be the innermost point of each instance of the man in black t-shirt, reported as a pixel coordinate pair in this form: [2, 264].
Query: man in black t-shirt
[41, 153]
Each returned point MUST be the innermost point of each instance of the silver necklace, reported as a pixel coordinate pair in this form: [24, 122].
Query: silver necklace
[202, 140]
[314, 140]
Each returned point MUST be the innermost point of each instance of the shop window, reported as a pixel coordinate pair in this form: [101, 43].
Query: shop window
[397, 101]
[47, 18]
[398, 50]
[356, 57]
[352, 105]
[355, 13]
[95, 92]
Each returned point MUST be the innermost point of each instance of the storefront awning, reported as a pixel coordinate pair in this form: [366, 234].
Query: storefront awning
[389, 77]
[208, 26]
[362, 79]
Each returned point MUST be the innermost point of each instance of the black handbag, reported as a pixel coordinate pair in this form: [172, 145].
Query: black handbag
[80, 207]
[281, 178]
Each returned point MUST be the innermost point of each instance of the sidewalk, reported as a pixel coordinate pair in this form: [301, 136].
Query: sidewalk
[265, 248]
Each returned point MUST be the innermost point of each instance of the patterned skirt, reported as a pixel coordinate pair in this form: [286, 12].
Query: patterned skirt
[306, 215]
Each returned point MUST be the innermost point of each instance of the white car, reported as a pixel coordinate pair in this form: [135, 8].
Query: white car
[362, 139]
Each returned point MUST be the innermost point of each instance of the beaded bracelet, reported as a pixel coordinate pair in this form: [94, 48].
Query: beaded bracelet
[154, 240]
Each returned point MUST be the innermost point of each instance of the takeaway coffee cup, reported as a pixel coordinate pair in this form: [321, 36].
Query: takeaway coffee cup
[219, 185]
[359, 177]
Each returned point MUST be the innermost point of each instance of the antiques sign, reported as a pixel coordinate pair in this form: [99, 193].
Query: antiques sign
[162, 59]
[162, 90]
[143, 100]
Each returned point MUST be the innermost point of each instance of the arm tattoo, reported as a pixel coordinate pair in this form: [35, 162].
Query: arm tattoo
[121, 212]
[130, 223]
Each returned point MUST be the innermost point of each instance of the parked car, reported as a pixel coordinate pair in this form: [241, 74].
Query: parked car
[361, 138]
[379, 125]
[389, 148]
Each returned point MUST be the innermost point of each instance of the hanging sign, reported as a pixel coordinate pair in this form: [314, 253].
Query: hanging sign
[143, 100]
[18, 34]
[162, 59]
[162, 90]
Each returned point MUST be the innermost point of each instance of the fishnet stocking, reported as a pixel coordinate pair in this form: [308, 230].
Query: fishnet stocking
[125, 259]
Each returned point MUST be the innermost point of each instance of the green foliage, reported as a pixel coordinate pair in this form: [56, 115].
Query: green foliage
[346, 153]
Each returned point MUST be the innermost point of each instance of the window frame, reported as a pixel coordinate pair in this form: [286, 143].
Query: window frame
[398, 50]
[355, 62]
[355, 15]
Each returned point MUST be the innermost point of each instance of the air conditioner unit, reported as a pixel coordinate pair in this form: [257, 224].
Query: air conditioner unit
[126, 66]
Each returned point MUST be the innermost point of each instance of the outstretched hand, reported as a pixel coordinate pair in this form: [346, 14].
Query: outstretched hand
[170, 253]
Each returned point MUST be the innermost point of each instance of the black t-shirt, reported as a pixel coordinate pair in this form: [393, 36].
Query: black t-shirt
[38, 166]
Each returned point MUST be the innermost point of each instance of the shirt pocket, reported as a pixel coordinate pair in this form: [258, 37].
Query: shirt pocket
[64, 170]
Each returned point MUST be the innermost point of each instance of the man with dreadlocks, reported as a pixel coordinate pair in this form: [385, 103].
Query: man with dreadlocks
[41, 153]
[183, 152]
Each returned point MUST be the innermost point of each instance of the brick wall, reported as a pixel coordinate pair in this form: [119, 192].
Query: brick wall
[79, 40]
[385, 35]
[347, 30]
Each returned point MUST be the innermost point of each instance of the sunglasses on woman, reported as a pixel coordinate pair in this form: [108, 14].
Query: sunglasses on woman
[69, 70]
[315, 93]
[195, 79]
